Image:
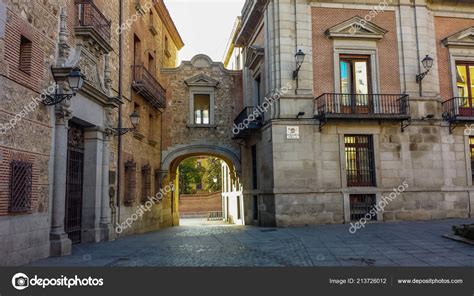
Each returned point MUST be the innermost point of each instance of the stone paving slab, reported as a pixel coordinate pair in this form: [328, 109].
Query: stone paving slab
[380, 244]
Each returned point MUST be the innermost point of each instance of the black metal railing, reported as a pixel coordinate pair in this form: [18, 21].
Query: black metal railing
[250, 118]
[148, 87]
[90, 16]
[361, 205]
[21, 186]
[362, 104]
[360, 161]
[456, 108]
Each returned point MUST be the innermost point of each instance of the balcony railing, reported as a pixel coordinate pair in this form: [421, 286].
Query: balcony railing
[249, 120]
[458, 109]
[360, 106]
[89, 16]
[148, 87]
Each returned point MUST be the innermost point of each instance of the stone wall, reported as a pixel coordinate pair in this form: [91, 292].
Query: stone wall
[25, 236]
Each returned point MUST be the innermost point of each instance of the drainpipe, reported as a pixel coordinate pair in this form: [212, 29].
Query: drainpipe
[417, 46]
[119, 146]
[402, 48]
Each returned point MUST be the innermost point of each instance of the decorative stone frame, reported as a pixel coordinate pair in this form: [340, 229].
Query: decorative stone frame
[347, 191]
[202, 85]
[356, 50]
[362, 41]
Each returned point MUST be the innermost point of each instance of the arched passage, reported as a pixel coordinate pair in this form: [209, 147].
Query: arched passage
[175, 156]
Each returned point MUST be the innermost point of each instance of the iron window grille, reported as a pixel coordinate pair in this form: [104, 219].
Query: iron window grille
[360, 164]
[360, 205]
[21, 186]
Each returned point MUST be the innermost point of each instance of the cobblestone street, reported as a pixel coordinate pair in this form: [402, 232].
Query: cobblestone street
[214, 244]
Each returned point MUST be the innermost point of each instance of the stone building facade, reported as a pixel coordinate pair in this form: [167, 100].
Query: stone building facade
[151, 43]
[25, 142]
[203, 98]
[353, 124]
[58, 164]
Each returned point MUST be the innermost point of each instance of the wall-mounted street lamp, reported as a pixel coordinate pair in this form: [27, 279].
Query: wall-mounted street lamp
[299, 59]
[427, 64]
[75, 80]
[134, 119]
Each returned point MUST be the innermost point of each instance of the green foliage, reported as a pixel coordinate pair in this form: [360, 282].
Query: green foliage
[189, 174]
[214, 171]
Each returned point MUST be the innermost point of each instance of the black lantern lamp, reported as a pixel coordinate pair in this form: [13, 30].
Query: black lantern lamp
[75, 80]
[134, 119]
[427, 64]
[299, 59]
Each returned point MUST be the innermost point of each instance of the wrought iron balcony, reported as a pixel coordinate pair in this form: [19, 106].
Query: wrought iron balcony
[359, 106]
[458, 109]
[249, 120]
[91, 19]
[148, 87]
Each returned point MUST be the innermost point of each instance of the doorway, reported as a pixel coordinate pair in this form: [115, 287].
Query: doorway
[74, 182]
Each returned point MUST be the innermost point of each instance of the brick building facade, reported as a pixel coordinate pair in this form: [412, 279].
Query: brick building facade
[354, 123]
[58, 163]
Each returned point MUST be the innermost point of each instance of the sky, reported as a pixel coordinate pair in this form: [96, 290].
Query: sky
[204, 25]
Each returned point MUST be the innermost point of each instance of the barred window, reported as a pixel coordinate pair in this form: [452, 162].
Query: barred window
[360, 205]
[146, 182]
[360, 164]
[25, 55]
[21, 186]
[130, 182]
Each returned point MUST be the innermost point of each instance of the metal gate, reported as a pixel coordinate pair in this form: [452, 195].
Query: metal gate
[74, 182]
[360, 205]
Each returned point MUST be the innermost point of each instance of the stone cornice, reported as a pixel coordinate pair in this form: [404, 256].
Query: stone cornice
[200, 61]
[462, 38]
[356, 27]
[169, 24]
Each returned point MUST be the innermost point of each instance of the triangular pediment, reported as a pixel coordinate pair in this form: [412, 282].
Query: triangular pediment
[202, 80]
[356, 27]
[462, 38]
[254, 56]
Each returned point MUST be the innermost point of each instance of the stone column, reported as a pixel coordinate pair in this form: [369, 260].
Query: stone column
[92, 197]
[106, 227]
[60, 243]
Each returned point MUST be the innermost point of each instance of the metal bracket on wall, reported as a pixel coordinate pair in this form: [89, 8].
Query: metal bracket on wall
[405, 124]
[452, 126]
[322, 123]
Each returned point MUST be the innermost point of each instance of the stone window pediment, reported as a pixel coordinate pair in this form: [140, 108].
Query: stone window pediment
[201, 80]
[462, 38]
[356, 27]
[255, 55]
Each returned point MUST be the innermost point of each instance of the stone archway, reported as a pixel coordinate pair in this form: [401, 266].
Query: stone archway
[175, 155]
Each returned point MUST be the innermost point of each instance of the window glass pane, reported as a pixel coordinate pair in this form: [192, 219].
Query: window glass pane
[197, 117]
[202, 108]
[361, 78]
[346, 87]
[360, 166]
[205, 116]
[461, 78]
[471, 83]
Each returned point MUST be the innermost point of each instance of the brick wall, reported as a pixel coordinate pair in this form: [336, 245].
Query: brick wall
[200, 203]
[15, 28]
[323, 65]
[445, 27]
